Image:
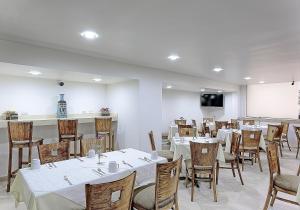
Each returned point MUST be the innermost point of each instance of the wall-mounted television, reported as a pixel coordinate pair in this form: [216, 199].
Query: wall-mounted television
[212, 100]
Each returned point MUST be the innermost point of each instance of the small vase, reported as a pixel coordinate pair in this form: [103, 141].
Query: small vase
[61, 107]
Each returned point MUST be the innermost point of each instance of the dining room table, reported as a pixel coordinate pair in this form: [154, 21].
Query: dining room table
[181, 146]
[61, 185]
[225, 134]
[173, 129]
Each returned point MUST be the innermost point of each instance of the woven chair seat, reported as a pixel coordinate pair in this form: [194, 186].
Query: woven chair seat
[145, 197]
[287, 182]
[166, 154]
[35, 141]
[229, 157]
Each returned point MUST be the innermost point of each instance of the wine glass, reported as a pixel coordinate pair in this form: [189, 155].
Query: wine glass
[99, 154]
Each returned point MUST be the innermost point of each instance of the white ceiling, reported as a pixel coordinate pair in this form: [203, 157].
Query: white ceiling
[53, 74]
[256, 38]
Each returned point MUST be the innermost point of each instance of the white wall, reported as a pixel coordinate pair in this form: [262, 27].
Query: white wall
[277, 100]
[123, 99]
[187, 104]
[39, 96]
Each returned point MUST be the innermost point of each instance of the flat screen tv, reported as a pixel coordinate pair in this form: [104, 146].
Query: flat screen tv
[212, 100]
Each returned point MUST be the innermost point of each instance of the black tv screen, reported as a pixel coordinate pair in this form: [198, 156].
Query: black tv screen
[214, 100]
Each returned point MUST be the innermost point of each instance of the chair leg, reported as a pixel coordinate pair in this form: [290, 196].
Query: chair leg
[280, 149]
[239, 171]
[193, 185]
[209, 176]
[273, 197]
[232, 168]
[9, 168]
[176, 203]
[214, 186]
[287, 141]
[75, 148]
[298, 149]
[259, 162]
[29, 153]
[243, 160]
[217, 172]
[267, 202]
[20, 161]
[186, 179]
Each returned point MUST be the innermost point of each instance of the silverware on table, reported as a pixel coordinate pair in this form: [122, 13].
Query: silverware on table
[54, 165]
[125, 163]
[78, 158]
[67, 179]
[145, 160]
[97, 172]
[99, 169]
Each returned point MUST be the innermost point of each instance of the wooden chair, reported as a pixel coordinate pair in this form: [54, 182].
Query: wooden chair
[219, 125]
[103, 127]
[250, 144]
[287, 184]
[205, 129]
[180, 122]
[92, 143]
[161, 195]
[101, 196]
[20, 137]
[285, 133]
[234, 124]
[163, 153]
[274, 135]
[202, 165]
[187, 131]
[248, 122]
[233, 157]
[55, 152]
[297, 131]
[67, 131]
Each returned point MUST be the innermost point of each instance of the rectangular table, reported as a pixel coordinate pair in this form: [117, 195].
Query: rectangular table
[226, 135]
[46, 189]
[173, 129]
[181, 146]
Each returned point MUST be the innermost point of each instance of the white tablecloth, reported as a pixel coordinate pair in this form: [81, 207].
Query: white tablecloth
[226, 134]
[173, 129]
[182, 147]
[46, 189]
[263, 128]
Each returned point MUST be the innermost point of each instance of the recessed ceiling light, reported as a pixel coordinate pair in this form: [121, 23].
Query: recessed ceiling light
[173, 57]
[169, 86]
[220, 91]
[218, 69]
[35, 72]
[97, 79]
[202, 90]
[247, 78]
[261, 82]
[89, 35]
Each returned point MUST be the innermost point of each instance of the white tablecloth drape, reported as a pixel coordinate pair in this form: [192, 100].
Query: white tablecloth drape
[173, 129]
[263, 128]
[226, 135]
[181, 146]
[46, 189]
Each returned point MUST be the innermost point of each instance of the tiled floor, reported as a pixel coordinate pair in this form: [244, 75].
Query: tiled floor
[231, 194]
